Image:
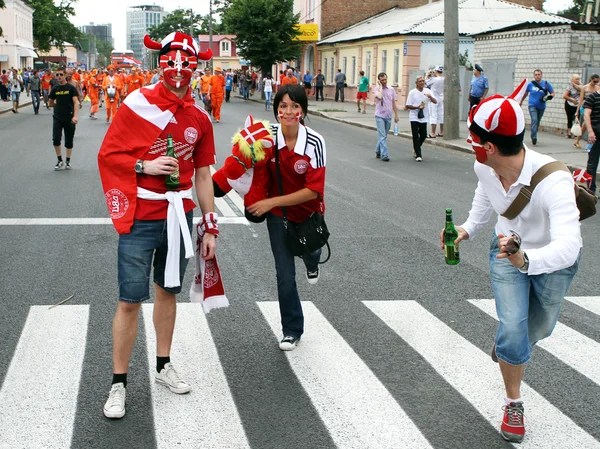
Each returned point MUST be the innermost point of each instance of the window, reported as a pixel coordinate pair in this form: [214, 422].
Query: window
[396, 67]
[225, 47]
[310, 6]
[353, 70]
[324, 72]
[384, 61]
[368, 64]
[331, 69]
[345, 65]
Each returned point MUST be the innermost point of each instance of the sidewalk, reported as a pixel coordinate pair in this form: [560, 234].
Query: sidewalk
[6, 106]
[559, 147]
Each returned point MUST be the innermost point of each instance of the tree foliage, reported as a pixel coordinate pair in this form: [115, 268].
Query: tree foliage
[573, 12]
[2, 6]
[182, 20]
[104, 49]
[51, 24]
[265, 30]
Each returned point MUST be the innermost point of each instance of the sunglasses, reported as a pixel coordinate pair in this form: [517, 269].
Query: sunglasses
[59, 74]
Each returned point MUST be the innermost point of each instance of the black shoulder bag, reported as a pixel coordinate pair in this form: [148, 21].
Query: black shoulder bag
[307, 237]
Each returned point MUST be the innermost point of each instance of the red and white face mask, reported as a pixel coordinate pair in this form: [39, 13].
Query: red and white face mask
[178, 68]
[480, 151]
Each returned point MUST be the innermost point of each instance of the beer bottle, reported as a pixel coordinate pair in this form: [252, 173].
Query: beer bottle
[173, 178]
[450, 235]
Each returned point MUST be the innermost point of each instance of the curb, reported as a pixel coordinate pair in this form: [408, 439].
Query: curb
[21, 105]
[450, 146]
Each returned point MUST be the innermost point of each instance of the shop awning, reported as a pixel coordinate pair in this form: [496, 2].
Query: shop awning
[3, 58]
[27, 53]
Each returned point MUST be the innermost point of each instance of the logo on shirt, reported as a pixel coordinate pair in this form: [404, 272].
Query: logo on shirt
[300, 166]
[191, 135]
[211, 276]
[117, 203]
[173, 120]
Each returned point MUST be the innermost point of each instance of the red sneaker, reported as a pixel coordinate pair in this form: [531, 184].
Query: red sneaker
[513, 425]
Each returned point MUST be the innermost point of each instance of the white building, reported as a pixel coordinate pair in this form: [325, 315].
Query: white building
[16, 44]
[139, 20]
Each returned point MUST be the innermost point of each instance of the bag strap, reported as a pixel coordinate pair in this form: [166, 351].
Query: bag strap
[524, 196]
[536, 84]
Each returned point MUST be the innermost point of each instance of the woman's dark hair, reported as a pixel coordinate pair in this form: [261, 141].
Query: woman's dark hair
[297, 94]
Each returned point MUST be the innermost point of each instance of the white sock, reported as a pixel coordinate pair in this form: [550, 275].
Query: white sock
[507, 401]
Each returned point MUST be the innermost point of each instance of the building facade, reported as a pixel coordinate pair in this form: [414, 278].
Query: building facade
[101, 31]
[511, 55]
[16, 44]
[224, 51]
[139, 19]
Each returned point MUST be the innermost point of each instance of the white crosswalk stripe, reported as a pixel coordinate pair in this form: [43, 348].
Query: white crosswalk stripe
[573, 348]
[591, 303]
[354, 405]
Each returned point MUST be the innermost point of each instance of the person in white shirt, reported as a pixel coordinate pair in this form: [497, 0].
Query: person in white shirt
[268, 90]
[436, 110]
[417, 103]
[530, 277]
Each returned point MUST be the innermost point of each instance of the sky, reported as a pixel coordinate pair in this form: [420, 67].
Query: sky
[113, 11]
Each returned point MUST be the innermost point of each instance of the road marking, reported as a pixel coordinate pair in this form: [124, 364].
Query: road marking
[224, 208]
[357, 409]
[232, 194]
[94, 221]
[562, 344]
[473, 374]
[591, 303]
[39, 395]
[207, 416]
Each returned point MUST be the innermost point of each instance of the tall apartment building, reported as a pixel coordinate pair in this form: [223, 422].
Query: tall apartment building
[101, 31]
[139, 19]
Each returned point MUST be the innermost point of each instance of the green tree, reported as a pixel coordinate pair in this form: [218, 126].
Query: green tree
[265, 30]
[2, 6]
[104, 49]
[51, 24]
[574, 10]
[179, 20]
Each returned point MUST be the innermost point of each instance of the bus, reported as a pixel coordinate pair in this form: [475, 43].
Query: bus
[124, 59]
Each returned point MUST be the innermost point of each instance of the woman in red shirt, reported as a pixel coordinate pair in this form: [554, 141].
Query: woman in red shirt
[301, 154]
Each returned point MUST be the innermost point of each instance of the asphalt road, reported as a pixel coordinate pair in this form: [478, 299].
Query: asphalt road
[394, 353]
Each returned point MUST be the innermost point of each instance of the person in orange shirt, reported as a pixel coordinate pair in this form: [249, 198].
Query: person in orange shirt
[133, 81]
[216, 93]
[46, 85]
[92, 91]
[113, 86]
[205, 83]
[99, 81]
[122, 94]
[289, 79]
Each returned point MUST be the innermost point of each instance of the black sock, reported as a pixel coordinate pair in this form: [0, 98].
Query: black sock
[68, 159]
[161, 362]
[59, 158]
[120, 378]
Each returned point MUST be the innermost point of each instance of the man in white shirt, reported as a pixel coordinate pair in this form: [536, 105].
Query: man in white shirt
[530, 279]
[417, 103]
[436, 110]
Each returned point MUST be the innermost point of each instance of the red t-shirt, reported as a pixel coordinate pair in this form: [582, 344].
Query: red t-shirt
[303, 167]
[194, 143]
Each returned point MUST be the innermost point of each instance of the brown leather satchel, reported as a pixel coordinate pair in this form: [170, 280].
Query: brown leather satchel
[586, 200]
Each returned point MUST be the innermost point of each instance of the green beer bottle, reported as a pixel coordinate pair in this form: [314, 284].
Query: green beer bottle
[450, 234]
[173, 178]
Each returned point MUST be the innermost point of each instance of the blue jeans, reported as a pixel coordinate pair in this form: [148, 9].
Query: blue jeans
[292, 318]
[245, 91]
[35, 100]
[536, 117]
[592, 164]
[383, 128]
[268, 99]
[527, 306]
[143, 248]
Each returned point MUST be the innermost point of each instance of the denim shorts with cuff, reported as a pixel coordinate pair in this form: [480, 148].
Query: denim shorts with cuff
[527, 306]
[145, 247]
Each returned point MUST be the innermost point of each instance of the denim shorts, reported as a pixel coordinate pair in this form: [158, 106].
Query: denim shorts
[527, 306]
[143, 248]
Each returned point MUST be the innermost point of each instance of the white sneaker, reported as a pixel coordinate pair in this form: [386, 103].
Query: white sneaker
[115, 405]
[419, 159]
[170, 378]
[288, 343]
[313, 276]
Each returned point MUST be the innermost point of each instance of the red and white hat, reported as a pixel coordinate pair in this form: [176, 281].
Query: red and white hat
[499, 119]
[178, 41]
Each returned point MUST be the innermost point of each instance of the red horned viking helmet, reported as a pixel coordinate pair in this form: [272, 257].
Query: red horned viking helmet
[179, 41]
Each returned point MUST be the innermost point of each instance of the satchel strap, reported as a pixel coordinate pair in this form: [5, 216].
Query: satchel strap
[524, 195]
[279, 182]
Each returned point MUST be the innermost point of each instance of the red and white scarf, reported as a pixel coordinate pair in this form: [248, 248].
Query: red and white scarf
[141, 119]
[207, 287]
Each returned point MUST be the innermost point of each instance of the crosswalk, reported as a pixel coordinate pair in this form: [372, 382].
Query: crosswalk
[355, 406]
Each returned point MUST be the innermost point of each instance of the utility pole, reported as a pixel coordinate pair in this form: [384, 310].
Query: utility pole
[192, 23]
[210, 29]
[451, 85]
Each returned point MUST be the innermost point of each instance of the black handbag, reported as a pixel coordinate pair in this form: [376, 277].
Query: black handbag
[307, 237]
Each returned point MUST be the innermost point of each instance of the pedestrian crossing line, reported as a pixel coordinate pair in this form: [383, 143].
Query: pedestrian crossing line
[96, 221]
[473, 374]
[224, 208]
[590, 303]
[39, 394]
[207, 416]
[357, 409]
[232, 194]
[562, 343]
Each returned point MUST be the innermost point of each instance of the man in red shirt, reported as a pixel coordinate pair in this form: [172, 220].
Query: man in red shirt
[150, 219]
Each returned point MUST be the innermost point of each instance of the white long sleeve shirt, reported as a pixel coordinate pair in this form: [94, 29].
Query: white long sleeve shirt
[548, 226]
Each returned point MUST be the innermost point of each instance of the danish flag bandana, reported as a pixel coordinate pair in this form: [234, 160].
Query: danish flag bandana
[497, 119]
[142, 117]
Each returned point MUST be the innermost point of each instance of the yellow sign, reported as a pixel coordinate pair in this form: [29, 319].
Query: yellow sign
[309, 32]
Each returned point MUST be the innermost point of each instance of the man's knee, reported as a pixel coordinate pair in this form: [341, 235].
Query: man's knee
[128, 308]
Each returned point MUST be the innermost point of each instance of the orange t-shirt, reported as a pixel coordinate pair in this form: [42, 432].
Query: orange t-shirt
[46, 82]
[134, 82]
[288, 80]
[217, 83]
[115, 81]
[204, 83]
